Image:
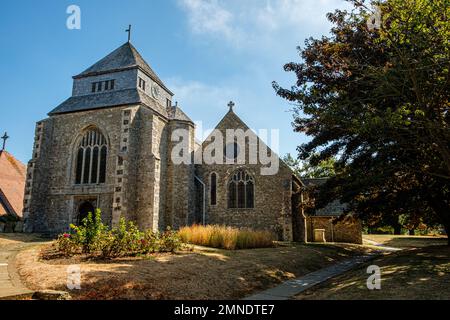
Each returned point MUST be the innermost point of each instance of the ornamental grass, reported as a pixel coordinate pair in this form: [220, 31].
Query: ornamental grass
[228, 238]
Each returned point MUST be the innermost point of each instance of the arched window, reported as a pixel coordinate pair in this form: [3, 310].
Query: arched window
[213, 189]
[91, 158]
[241, 191]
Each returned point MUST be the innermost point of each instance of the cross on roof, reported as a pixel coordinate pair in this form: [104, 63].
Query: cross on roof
[231, 104]
[129, 32]
[4, 138]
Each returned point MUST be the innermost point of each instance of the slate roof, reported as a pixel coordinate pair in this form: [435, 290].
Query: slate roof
[107, 100]
[12, 184]
[175, 113]
[336, 208]
[123, 58]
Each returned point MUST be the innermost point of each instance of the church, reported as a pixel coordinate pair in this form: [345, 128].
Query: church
[110, 146]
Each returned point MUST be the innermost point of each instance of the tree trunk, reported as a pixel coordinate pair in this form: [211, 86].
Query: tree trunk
[442, 210]
[412, 232]
[397, 229]
[447, 231]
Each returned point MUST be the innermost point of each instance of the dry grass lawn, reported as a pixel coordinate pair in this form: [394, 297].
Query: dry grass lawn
[417, 273]
[201, 274]
[406, 242]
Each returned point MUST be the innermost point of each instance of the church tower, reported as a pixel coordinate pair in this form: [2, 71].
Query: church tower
[108, 147]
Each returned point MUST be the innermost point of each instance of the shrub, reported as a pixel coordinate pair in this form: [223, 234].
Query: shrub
[66, 245]
[226, 237]
[125, 240]
[94, 238]
[170, 241]
[90, 233]
[150, 242]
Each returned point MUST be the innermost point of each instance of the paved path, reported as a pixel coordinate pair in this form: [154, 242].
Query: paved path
[291, 288]
[10, 284]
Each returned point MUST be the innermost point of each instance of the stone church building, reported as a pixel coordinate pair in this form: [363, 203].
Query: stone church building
[109, 146]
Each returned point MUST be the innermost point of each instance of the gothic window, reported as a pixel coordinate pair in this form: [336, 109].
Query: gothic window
[213, 190]
[91, 158]
[241, 191]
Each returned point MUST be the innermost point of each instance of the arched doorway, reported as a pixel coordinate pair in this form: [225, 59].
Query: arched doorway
[84, 210]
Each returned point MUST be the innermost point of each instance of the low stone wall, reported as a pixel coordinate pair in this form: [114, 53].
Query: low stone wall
[348, 230]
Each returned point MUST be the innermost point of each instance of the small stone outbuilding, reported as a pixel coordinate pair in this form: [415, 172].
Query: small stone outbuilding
[330, 220]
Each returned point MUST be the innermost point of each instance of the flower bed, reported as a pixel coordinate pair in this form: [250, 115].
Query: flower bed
[96, 239]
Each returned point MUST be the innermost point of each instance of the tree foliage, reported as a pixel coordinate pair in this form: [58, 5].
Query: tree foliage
[304, 169]
[378, 102]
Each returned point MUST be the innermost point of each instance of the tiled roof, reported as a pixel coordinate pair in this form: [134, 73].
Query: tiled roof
[123, 58]
[12, 183]
[107, 100]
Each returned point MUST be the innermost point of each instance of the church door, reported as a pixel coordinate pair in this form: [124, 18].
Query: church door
[84, 210]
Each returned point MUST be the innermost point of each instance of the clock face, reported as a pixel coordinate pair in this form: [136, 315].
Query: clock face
[155, 91]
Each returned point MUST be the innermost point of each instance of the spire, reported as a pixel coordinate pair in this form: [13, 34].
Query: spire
[4, 138]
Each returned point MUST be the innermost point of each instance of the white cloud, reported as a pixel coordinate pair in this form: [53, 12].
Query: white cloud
[209, 17]
[252, 23]
[205, 104]
[197, 95]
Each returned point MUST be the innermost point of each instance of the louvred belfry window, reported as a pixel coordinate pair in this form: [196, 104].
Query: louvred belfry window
[241, 191]
[92, 152]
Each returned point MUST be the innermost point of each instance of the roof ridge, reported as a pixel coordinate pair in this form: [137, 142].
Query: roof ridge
[15, 163]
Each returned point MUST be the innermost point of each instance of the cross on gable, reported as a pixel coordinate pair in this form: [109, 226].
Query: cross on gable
[4, 138]
[231, 104]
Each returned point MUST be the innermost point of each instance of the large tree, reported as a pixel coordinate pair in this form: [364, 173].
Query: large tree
[377, 100]
[305, 169]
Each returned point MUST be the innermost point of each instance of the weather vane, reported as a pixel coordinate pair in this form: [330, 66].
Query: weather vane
[4, 138]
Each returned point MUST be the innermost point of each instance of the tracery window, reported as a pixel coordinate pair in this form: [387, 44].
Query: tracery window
[241, 191]
[92, 152]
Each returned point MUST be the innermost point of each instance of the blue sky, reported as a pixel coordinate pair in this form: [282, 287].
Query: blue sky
[206, 51]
